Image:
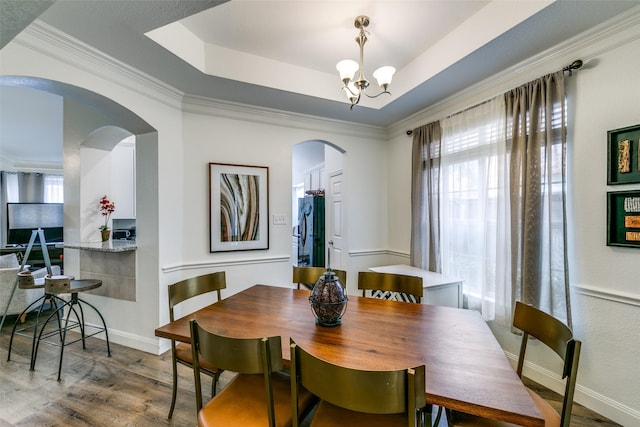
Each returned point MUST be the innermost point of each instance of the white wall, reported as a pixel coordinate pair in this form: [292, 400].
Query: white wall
[606, 97]
[30, 130]
[605, 280]
[240, 141]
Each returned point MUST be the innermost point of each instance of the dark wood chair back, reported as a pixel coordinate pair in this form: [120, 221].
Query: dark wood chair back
[372, 392]
[308, 276]
[558, 337]
[389, 282]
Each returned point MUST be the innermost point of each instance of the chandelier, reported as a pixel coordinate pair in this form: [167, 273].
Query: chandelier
[347, 69]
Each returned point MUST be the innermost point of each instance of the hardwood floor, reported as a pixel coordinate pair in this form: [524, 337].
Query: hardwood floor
[131, 388]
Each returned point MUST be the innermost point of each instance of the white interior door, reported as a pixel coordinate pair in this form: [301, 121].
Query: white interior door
[335, 222]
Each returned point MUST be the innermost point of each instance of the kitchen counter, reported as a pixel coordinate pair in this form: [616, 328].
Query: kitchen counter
[108, 246]
[113, 262]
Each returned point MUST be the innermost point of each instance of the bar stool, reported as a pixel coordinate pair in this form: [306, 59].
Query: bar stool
[27, 281]
[54, 287]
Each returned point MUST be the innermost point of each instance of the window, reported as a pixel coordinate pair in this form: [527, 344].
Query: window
[501, 207]
[53, 189]
[52, 186]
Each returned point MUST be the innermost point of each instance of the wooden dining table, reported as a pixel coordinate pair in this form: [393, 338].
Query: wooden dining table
[465, 367]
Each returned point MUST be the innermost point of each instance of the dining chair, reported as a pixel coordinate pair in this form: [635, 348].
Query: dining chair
[181, 352]
[391, 286]
[308, 276]
[559, 338]
[259, 393]
[353, 397]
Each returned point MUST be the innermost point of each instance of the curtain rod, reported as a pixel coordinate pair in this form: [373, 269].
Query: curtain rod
[575, 65]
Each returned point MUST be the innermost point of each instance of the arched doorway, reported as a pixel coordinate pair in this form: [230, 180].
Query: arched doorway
[317, 204]
[88, 117]
[86, 112]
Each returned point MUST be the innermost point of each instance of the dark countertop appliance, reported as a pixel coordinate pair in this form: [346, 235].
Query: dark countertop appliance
[124, 234]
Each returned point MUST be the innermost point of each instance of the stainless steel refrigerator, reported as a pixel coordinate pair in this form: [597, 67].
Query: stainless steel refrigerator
[311, 231]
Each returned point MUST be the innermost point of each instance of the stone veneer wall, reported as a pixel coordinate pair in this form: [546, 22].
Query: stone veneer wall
[117, 270]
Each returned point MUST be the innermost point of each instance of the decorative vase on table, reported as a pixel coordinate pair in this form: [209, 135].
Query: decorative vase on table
[328, 300]
[105, 235]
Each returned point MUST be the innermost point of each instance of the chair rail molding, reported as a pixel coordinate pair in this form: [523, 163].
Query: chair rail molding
[225, 263]
[608, 294]
[375, 252]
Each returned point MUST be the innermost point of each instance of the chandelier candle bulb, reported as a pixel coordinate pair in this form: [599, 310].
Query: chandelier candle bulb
[384, 75]
[347, 69]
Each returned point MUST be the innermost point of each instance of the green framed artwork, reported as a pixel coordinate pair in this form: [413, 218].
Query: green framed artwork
[623, 218]
[623, 155]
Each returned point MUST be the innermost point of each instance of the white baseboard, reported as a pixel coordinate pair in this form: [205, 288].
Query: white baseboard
[615, 411]
[149, 345]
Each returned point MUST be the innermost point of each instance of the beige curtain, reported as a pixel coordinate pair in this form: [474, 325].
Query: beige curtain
[536, 141]
[425, 208]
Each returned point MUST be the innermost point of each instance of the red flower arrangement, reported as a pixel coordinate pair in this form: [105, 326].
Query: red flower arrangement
[106, 208]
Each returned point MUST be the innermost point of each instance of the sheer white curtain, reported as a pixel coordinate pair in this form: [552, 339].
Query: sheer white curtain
[474, 203]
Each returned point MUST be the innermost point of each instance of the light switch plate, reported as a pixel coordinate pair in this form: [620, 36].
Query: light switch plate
[279, 219]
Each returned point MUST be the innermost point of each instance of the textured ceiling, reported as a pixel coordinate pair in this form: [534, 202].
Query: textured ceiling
[17, 14]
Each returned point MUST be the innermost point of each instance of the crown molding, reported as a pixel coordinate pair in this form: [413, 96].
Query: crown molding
[49, 41]
[611, 34]
[14, 165]
[53, 43]
[236, 111]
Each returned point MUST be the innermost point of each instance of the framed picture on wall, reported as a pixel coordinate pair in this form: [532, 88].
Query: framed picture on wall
[238, 207]
[623, 218]
[623, 154]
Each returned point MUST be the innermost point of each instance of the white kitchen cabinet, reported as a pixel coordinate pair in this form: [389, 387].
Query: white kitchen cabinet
[123, 180]
[315, 178]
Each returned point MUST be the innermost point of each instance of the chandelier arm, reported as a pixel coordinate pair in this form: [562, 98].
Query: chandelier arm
[377, 95]
[350, 91]
[356, 101]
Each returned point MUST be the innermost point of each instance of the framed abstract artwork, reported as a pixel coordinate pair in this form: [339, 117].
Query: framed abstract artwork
[623, 154]
[623, 218]
[238, 207]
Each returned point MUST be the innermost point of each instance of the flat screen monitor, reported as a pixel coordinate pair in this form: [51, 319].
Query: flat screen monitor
[23, 218]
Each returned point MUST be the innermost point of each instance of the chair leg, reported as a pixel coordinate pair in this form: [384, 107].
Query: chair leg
[36, 342]
[174, 388]
[438, 416]
[64, 337]
[15, 324]
[104, 324]
[214, 383]
[424, 416]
